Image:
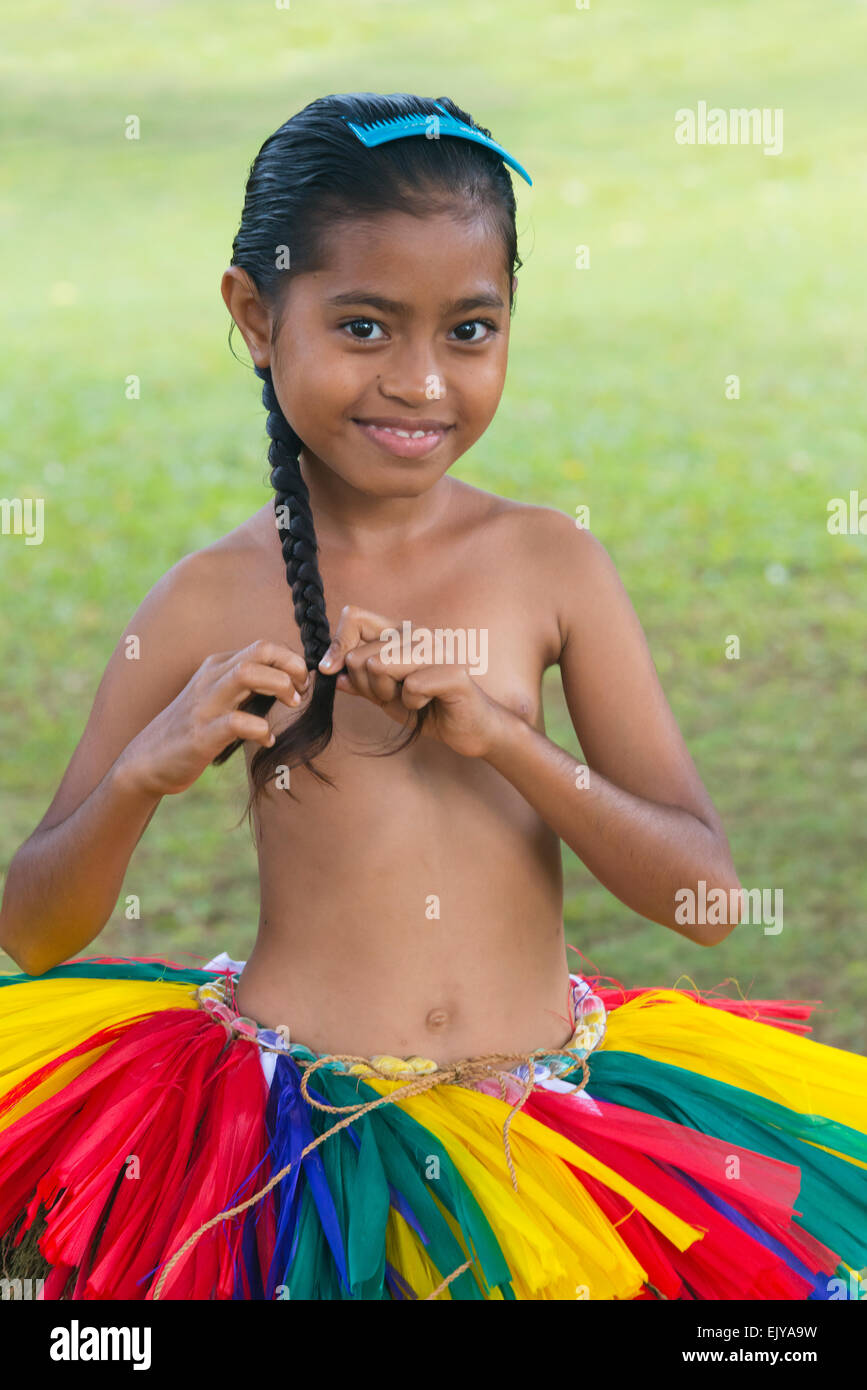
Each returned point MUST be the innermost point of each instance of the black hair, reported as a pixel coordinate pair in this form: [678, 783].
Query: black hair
[308, 177]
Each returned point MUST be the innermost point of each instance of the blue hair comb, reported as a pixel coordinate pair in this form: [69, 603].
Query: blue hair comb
[396, 127]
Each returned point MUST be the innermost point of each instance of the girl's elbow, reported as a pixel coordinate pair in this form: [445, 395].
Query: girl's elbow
[708, 913]
[22, 952]
[27, 961]
[712, 936]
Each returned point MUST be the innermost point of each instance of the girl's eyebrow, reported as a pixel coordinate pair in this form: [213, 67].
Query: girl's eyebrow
[486, 299]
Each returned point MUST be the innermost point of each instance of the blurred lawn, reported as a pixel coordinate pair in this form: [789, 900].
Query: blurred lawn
[705, 261]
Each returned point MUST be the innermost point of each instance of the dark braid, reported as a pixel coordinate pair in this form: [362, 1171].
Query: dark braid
[298, 543]
[310, 733]
[308, 177]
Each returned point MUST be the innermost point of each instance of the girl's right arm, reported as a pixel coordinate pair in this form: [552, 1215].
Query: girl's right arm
[163, 711]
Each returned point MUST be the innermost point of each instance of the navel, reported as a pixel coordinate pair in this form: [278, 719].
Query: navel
[438, 1019]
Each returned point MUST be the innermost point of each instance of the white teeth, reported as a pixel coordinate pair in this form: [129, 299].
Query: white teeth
[406, 434]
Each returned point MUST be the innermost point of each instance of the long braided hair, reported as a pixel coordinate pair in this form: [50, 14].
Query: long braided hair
[308, 177]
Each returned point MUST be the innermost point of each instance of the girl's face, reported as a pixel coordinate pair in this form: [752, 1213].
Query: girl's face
[407, 326]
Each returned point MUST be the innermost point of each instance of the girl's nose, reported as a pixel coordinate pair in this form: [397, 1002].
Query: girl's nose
[414, 377]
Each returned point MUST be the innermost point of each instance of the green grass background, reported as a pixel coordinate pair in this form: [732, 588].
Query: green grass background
[705, 261]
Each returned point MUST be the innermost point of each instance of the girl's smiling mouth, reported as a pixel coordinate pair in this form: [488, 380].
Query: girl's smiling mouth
[409, 439]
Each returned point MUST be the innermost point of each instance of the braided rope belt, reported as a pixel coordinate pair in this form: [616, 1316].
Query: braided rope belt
[588, 1013]
[419, 1074]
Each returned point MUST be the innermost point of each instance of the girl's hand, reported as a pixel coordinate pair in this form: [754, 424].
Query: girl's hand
[462, 716]
[173, 750]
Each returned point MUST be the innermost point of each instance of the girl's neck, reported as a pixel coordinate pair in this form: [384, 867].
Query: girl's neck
[346, 517]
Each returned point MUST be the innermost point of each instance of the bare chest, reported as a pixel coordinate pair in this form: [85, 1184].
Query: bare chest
[477, 616]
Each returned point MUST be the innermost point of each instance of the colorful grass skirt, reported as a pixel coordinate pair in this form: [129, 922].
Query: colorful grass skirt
[681, 1146]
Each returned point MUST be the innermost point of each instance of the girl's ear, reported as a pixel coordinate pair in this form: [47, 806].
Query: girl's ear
[514, 284]
[244, 303]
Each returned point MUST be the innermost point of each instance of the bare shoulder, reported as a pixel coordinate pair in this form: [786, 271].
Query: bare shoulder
[188, 615]
[211, 590]
[556, 538]
[560, 563]
[250, 537]
[538, 529]
[245, 544]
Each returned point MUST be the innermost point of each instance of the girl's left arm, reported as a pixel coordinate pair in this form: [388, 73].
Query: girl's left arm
[637, 812]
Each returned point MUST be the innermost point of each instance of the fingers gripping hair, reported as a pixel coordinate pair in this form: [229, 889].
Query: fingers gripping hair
[307, 736]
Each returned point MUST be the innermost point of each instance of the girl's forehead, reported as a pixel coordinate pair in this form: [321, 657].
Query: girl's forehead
[396, 246]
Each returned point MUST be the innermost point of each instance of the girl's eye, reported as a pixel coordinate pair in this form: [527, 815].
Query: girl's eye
[366, 324]
[366, 329]
[471, 323]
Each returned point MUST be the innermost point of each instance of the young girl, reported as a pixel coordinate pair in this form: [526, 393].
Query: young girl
[403, 1093]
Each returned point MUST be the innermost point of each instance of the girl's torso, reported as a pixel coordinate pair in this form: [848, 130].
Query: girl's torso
[416, 908]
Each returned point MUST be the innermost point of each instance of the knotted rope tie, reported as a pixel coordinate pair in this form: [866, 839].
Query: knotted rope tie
[464, 1073]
